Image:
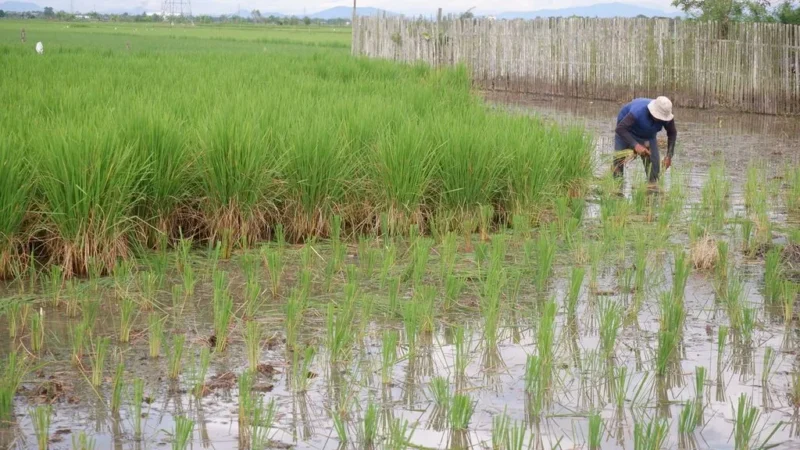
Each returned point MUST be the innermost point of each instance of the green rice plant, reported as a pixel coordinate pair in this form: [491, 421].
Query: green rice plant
[672, 319]
[399, 434]
[183, 433]
[37, 331]
[620, 384]
[183, 253]
[300, 369]
[792, 191]
[721, 268]
[688, 418]
[273, 260]
[610, 322]
[295, 309]
[491, 301]
[715, 194]
[90, 308]
[80, 441]
[748, 324]
[72, 300]
[16, 194]
[253, 336]
[189, 280]
[419, 266]
[99, 360]
[155, 334]
[150, 284]
[223, 311]
[78, 334]
[200, 374]
[262, 423]
[461, 410]
[794, 388]
[534, 384]
[499, 430]
[699, 393]
[515, 436]
[545, 343]
[680, 275]
[768, 365]
[388, 355]
[13, 372]
[640, 264]
[136, 403]
[178, 300]
[389, 256]
[772, 276]
[651, 436]
[13, 319]
[722, 340]
[449, 254]
[595, 431]
[453, 285]
[425, 301]
[175, 361]
[40, 418]
[246, 400]
[746, 418]
[789, 291]
[733, 303]
[370, 425]
[239, 165]
[440, 390]
[55, 284]
[748, 245]
[116, 391]
[545, 255]
[126, 317]
[340, 426]
[340, 336]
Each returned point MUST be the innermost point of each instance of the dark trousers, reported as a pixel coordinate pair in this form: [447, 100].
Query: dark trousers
[652, 163]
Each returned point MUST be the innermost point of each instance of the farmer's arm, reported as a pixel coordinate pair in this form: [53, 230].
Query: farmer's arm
[624, 130]
[672, 136]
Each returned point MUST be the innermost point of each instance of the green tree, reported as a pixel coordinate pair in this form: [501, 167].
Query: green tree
[306, 21]
[256, 15]
[2, 13]
[786, 12]
[49, 13]
[724, 11]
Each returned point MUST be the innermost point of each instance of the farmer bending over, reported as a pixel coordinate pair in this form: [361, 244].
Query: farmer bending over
[638, 123]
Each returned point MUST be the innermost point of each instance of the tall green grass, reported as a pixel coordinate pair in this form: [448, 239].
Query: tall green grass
[130, 155]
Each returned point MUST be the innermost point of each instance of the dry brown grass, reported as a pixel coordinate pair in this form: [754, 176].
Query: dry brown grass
[704, 253]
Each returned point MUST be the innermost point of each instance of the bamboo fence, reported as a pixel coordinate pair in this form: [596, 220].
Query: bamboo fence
[752, 67]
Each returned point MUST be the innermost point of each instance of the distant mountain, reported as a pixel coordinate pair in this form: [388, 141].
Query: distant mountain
[345, 12]
[602, 10]
[20, 7]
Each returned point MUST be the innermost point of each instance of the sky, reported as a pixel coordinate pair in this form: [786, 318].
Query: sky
[300, 7]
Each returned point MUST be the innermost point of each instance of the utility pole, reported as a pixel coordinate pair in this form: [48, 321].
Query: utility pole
[353, 26]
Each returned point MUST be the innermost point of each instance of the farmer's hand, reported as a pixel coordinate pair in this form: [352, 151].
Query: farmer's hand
[667, 162]
[641, 150]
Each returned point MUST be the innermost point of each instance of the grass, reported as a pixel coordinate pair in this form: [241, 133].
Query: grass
[41, 417]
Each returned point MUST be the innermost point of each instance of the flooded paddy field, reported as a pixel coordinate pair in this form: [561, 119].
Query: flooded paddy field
[636, 321]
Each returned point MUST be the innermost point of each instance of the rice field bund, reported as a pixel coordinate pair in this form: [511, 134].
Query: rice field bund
[244, 238]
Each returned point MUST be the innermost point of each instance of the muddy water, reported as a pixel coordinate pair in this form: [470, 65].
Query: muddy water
[581, 384]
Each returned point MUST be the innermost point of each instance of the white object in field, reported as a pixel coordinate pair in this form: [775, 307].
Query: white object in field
[39, 48]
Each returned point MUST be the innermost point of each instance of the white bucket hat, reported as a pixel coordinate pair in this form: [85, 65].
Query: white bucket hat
[661, 109]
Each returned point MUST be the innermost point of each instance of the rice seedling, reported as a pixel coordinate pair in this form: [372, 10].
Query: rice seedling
[116, 390]
[389, 256]
[37, 331]
[733, 303]
[699, 393]
[81, 441]
[223, 311]
[545, 255]
[680, 275]
[136, 403]
[672, 319]
[155, 334]
[768, 365]
[55, 284]
[399, 435]
[273, 260]
[515, 436]
[72, 299]
[651, 436]
[99, 360]
[40, 418]
[421, 254]
[640, 264]
[300, 369]
[688, 418]
[126, 318]
[722, 340]
[178, 300]
[13, 319]
[388, 355]
[491, 303]
[461, 410]
[189, 280]
[295, 309]
[499, 430]
[262, 422]
[772, 276]
[440, 391]
[748, 245]
[150, 285]
[715, 194]
[175, 361]
[792, 192]
[722, 267]
[369, 430]
[610, 322]
[746, 419]
[246, 400]
[183, 433]
[789, 291]
[453, 285]
[449, 251]
[595, 431]
[620, 384]
[545, 342]
[13, 372]
[340, 336]
[252, 338]
[200, 373]
[78, 333]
